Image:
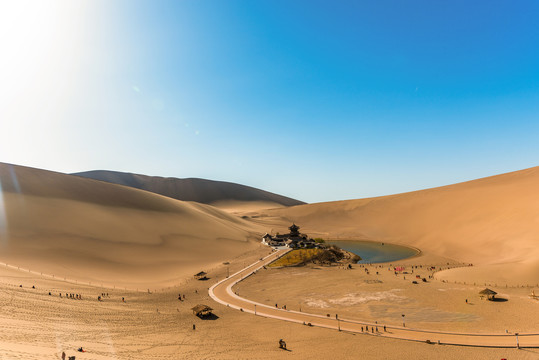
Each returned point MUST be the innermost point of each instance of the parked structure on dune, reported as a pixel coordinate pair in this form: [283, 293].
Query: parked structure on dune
[293, 240]
[202, 310]
[201, 276]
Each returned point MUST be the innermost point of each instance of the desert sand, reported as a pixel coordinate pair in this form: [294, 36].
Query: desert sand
[216, 193]
[490, 222]
[97, 237]
[92, 231]
[158, 326]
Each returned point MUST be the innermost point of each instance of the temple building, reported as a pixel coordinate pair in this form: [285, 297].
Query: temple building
[294, 239]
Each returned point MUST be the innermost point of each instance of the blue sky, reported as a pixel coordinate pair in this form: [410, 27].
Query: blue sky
[310, 99]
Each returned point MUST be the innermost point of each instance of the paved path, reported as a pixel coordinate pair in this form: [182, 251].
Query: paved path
[222, 293]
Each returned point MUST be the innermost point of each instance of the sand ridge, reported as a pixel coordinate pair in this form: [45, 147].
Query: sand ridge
[90, 231]
[66, 225]
[490, 222]
[216, 193]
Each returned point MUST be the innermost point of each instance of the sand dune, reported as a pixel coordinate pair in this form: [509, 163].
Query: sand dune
[89, 230]
[491, 222]
[62, 224]
[227, 195]
[95, 231]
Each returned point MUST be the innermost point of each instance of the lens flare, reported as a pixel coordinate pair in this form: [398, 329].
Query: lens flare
[14, 180]
[3, 218]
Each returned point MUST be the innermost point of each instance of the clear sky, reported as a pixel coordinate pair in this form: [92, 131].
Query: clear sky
[317, 100]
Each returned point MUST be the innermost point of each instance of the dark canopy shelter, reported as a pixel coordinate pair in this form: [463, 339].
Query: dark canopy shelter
[488, 293]
[202, 310]
[201, 275]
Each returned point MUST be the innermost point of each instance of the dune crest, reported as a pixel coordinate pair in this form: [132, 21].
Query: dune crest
[64, 225]
[229, 196]
[490, 222]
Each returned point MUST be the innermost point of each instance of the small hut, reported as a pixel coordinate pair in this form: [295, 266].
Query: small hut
[201, 276]
[202, 310]
[488, 293]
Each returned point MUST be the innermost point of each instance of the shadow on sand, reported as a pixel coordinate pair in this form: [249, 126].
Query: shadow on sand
[499, 300]
[211, 316]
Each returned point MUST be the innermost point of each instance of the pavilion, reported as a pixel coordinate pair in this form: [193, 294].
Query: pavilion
[488, 293]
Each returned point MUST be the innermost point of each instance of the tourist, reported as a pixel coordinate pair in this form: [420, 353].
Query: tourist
[385, 329]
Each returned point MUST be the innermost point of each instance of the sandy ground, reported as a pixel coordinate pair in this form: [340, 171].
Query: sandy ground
[97, 232]
[158, 326]
[490, 222]
[94, 233]
[380, 295]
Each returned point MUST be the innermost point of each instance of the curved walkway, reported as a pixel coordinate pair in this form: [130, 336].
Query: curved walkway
[222, 293]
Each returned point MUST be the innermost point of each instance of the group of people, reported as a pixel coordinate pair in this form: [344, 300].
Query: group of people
[373, 329]
[180, 297]
[103, 295]
[71, 296]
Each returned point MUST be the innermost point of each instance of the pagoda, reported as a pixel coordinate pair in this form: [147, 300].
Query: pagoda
[294, 239]
[294, 230]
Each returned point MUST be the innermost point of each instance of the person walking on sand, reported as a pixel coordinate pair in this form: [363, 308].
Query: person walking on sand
[63, 355]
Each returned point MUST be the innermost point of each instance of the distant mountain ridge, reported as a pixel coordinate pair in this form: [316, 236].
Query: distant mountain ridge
[190, 189]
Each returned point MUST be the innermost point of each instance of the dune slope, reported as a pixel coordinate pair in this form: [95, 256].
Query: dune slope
[64, 225]
[491, 222]
[218, 193]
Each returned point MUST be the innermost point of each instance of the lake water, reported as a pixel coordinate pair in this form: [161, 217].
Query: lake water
[375, 252]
